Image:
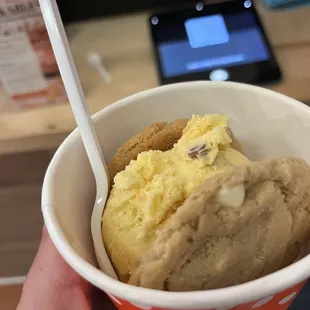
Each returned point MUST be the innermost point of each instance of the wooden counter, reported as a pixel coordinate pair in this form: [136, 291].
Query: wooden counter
[125, 46]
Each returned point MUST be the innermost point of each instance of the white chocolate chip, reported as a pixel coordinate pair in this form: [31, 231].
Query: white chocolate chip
[231, 196]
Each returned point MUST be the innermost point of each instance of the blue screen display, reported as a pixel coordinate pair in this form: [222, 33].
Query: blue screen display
[198, 37]
[209, 42]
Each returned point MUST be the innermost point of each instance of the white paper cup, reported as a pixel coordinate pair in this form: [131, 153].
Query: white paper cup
[268, 125]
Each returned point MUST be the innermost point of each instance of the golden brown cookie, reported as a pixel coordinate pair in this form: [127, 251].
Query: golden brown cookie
[158, 136]
[210, 244]
[235, 144]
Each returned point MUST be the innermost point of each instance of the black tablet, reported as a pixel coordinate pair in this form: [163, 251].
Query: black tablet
[224, 41]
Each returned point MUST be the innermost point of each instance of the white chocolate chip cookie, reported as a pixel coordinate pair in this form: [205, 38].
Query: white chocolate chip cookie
[239, 225]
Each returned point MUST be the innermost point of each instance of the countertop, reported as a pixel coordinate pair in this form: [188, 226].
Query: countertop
[125, 46]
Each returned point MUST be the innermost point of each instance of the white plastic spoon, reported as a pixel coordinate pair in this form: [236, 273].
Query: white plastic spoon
[76, 97]
[95, 60]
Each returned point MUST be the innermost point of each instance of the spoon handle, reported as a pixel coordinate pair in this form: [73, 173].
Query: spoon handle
[74, 89]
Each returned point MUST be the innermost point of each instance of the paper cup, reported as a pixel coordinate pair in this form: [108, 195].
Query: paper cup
[268, 125]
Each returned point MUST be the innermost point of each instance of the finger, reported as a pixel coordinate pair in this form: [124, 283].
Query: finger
[51, 281]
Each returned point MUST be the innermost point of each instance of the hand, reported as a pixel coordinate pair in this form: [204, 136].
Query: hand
[52, 284]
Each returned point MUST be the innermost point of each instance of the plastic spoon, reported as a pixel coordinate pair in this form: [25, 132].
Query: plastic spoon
[76, 97]
[95, 60]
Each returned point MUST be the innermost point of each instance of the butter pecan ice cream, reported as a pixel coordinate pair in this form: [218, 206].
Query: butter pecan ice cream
[153, 186]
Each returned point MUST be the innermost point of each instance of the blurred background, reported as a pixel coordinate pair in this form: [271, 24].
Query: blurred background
[35, 116]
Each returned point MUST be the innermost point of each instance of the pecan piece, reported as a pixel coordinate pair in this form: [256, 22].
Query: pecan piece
[198, 151]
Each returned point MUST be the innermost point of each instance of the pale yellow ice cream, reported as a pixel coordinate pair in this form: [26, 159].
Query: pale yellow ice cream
[152, 187]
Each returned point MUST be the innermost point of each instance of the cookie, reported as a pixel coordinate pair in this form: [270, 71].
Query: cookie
[235, 143]
[158, 136]
[239, 225]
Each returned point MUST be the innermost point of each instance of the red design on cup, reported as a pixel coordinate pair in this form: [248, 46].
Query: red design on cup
[280, 301]
[125, 305]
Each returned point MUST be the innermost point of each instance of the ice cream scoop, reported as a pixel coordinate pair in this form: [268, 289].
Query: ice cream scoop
[153, 186]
